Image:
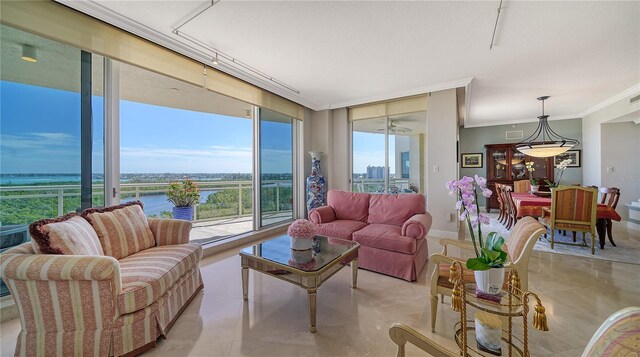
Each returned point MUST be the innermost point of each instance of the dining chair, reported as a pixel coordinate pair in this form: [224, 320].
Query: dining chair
[521, 186]
[610, 197]
[502, 216]
[574, 209]
[518, 247]
[510, 206]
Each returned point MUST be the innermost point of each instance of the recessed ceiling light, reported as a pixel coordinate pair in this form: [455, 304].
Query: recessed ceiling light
[29, 53]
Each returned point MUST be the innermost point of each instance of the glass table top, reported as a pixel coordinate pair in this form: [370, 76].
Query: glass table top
[324, 251]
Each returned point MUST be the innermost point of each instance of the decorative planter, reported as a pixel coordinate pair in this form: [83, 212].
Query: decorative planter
[488, 332]
[185, 213]
[535, 188]
[301, 256]
[316, 184]
[301, 244]
[490, 281]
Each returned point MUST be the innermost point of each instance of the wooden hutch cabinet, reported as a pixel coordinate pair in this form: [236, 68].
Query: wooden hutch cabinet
[505, 164]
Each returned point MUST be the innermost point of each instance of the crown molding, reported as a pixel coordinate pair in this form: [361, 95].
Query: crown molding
[618, 97]
[520, 121]
[127, 24]
[399, 94]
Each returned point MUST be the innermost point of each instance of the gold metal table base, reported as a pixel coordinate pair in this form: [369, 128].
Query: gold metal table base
[308, 280]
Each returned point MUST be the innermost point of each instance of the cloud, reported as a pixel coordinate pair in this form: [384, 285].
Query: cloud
[241, 153]
[34, 141]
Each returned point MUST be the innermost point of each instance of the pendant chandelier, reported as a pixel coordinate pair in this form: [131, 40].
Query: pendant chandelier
[544, 142]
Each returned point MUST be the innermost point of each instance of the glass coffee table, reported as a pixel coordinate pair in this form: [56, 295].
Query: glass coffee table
[274, 257]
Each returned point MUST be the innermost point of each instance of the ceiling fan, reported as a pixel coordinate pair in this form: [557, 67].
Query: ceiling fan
[395, 129]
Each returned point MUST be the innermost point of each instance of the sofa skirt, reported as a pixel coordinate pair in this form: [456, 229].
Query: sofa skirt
[137, 332]
[400, 265]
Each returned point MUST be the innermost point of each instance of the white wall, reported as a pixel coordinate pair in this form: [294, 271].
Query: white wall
[416, 164]
[441, 165]
[620, 152]
[592, 135]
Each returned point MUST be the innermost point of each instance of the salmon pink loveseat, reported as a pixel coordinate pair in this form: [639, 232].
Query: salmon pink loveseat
[391, 229]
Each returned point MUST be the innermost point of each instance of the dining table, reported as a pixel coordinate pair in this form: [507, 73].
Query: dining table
[528, 204]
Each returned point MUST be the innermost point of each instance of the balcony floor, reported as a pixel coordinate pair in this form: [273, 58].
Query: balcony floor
[217, 229]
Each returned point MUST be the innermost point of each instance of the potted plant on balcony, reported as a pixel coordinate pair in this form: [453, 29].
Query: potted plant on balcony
[184, 194]
[488, 265]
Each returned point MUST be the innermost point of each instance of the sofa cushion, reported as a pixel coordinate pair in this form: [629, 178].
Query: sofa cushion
[386, 237]
[339, 229]
[148, 274]
[123, 229]
[69, 235]
[352, 206]
[394, 209]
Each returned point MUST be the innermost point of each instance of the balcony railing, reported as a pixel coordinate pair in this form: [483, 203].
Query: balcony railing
[374, 185]
[25, 204]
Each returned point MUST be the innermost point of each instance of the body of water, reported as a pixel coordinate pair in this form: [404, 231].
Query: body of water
[26, 180]
[156, 204]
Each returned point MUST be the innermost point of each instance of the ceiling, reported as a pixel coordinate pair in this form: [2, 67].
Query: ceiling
[340, 53]
[58, 67]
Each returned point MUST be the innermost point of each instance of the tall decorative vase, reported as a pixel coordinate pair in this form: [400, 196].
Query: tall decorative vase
[316, 184]
[185, 213]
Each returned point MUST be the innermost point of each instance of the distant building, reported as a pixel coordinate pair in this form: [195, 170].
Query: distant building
[375, 172]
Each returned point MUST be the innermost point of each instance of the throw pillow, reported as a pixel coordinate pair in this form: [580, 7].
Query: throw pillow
[68, 235]
[123, 229]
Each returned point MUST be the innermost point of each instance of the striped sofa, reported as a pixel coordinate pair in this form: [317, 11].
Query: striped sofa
[115, 303]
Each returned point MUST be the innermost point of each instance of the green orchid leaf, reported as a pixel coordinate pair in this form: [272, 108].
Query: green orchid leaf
[490, 255]
[477, 264]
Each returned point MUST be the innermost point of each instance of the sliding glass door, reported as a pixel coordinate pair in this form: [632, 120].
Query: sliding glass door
[275, 150]
[51, 128]
[369, 148]
[388, 154]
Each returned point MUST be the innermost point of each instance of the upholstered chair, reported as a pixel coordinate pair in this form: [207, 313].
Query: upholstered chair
[521, 186]
[617, 336]
[519, 246]
[573, 208]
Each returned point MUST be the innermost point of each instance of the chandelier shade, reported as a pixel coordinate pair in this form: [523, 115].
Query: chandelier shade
[544, 142]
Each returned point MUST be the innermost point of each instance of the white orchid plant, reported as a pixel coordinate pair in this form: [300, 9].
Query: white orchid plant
[559, 171]
[489, 253]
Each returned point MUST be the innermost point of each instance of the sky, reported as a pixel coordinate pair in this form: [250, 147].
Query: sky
[40, 133]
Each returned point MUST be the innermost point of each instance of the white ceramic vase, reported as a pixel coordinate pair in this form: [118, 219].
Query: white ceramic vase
[488, 332]
[490, 281]
[301, 243]
[534, 188]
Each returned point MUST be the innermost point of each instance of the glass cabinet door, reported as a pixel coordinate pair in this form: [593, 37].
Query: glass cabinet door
[540, 168]
[518, 169]
[499, 170]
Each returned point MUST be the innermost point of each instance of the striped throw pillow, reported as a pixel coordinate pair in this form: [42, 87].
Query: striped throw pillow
[123, 229]
[68, 235]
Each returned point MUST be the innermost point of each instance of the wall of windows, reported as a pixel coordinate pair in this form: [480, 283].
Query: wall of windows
[55, 159]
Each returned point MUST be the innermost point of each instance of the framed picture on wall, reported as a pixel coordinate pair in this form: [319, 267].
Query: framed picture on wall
[574, 155]
[472, 160]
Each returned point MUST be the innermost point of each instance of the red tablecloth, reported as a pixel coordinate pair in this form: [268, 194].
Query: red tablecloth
[531, 205]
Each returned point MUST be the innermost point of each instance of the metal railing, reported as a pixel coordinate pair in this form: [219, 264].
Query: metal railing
[376, 185]
[153, 195]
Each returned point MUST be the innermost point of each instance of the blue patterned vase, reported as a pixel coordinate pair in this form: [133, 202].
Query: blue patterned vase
[316, 184]
[185, 213]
